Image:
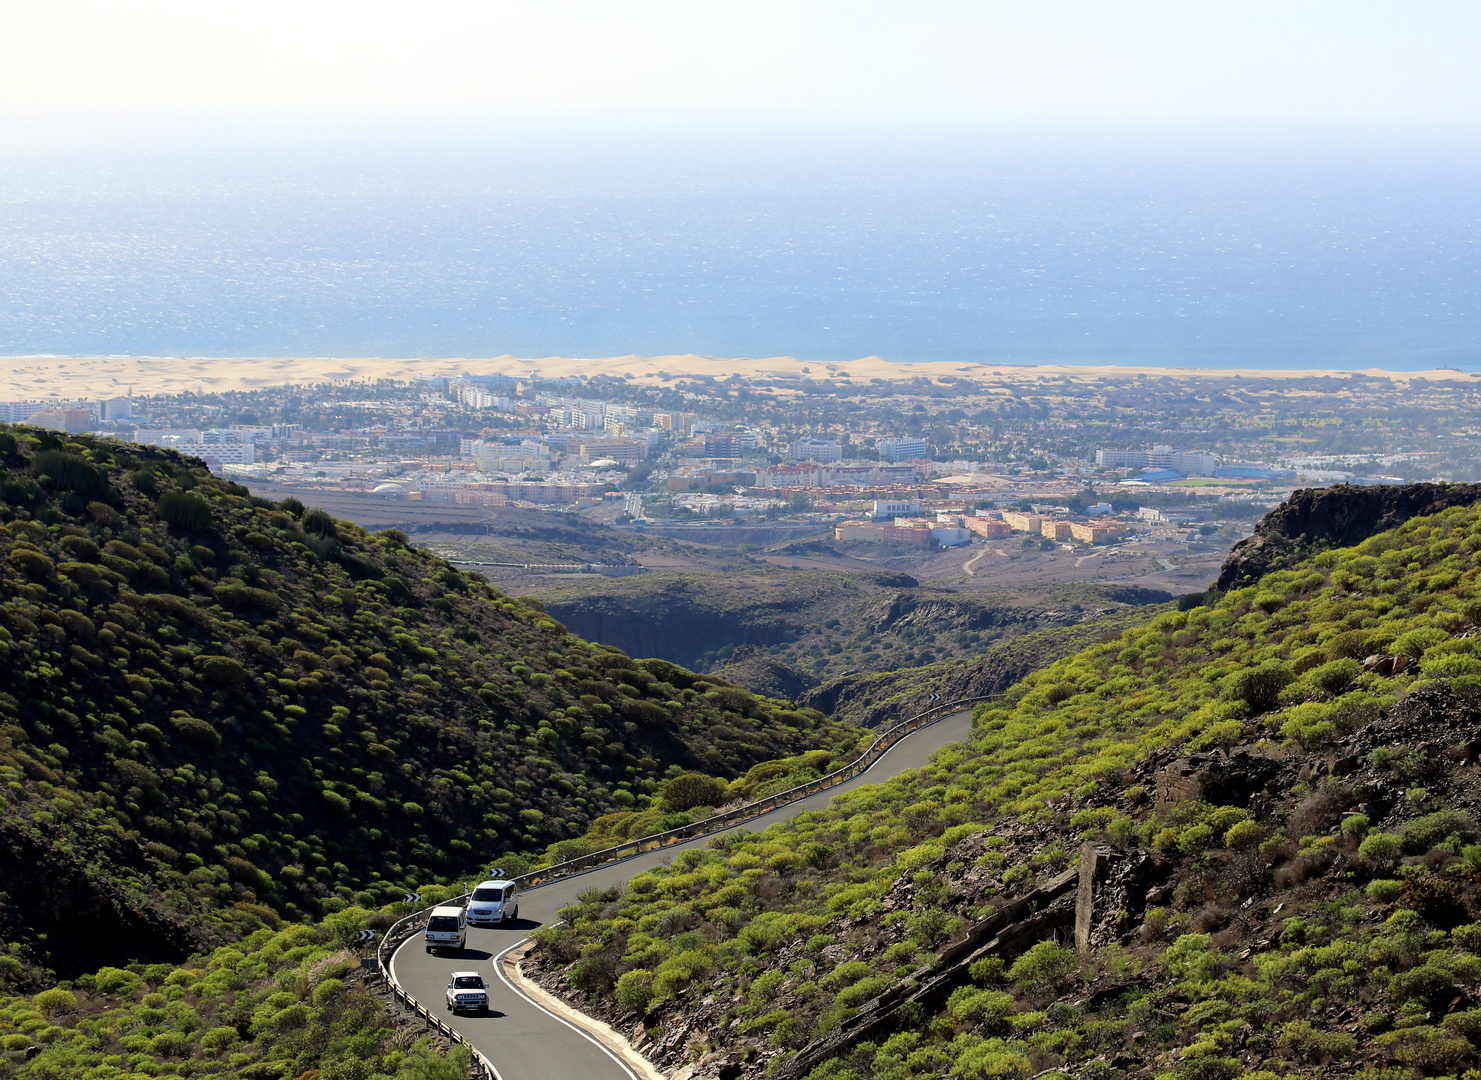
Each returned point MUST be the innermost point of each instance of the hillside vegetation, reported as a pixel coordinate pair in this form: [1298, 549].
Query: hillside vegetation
[809, 626]
[875, 698]
[281, 1003]
[1283, 800]
[212, 704]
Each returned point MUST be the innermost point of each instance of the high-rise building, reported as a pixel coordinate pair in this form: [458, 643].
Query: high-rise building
[902, 449]
[729, 444]
[118, 408]
[13, 412]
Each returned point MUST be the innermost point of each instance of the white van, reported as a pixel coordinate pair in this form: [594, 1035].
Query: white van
[446, 929]
[493, 902]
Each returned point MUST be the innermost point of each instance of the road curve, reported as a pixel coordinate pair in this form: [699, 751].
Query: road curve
[524, 1041]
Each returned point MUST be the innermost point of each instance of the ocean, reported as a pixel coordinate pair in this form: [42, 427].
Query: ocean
[595, 237]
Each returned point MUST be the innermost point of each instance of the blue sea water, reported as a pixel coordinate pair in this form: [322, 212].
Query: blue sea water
[825, 242]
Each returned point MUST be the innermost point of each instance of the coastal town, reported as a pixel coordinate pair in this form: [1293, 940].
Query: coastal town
[916, 464]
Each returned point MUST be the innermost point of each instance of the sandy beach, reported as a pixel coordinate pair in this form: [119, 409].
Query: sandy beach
[51, 378]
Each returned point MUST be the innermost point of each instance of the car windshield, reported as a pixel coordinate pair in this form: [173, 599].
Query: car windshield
[468, 982]
[442, 923]
[488, 894]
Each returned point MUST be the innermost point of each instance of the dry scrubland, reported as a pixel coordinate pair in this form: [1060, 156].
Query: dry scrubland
[1282, 780]
[1281, 784]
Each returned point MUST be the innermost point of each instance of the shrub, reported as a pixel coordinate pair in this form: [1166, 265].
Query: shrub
[694, 789]
[223, 672]
[1383, 890]
[70, 472]
[218, 1039]
[1044, 968]
[1414, 643]
[851, 997]
[112, 980]
[1335, 677]
[185, 510]
[1427, 1048]
[980, 1008]
[1427, 984]
[54, 1002]
[992, 1059]
[1382, 849]
[328, 990]
[679, 970]
[197, 732]
[1245, 836]
[846, 973]
[245, 598]
[319, 522]
[635, 990]
[1423, 833]
[1259, 687]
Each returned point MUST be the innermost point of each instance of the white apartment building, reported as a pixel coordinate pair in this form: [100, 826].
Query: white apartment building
[902, 449]
[823, 450]
[895, 508]
[13, 412]
[118, 408]
[217, 454]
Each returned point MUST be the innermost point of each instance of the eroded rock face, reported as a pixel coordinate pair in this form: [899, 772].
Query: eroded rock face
[1317, 519]
[1219, 778]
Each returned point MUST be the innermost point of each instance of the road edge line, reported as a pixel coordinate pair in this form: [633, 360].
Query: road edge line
[459, 1037]
[608, 1038]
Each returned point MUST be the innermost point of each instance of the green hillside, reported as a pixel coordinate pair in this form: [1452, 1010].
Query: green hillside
[1282, 787]
[815, 625]
[215, 705]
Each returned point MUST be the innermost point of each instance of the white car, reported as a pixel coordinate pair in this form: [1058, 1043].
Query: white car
[493, 903]
[466, 992]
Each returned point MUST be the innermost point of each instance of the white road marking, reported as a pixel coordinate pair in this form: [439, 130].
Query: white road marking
[499, 969]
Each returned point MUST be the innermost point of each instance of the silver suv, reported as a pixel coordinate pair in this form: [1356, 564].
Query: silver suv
[466, 992]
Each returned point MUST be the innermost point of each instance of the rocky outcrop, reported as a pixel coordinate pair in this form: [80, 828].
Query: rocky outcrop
[762, 675]
[1317, 519]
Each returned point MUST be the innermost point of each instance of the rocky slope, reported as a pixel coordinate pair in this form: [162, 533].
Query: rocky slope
[1317, 519]
[1242, 839]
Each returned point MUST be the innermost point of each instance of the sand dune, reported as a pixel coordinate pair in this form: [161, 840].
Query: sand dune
[69, 378]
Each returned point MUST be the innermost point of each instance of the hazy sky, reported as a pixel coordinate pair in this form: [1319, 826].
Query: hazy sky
[1291, 60]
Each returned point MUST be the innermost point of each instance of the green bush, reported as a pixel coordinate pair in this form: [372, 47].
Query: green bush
[1383, 890]
[635, 990]
[54, 1002]
[185, 510]
[693, 789]
[1382, 849]
[1259, 687]
[1044, 968]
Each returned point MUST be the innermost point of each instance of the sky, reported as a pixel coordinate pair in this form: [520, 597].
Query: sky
[1260, 62]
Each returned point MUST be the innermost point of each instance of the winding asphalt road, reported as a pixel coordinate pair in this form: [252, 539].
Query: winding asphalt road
[523, 1040]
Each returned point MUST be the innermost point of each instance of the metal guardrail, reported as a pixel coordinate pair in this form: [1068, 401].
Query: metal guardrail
[883, 740]
[400, 931]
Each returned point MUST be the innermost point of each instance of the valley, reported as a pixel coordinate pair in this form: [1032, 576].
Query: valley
[240, 732]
